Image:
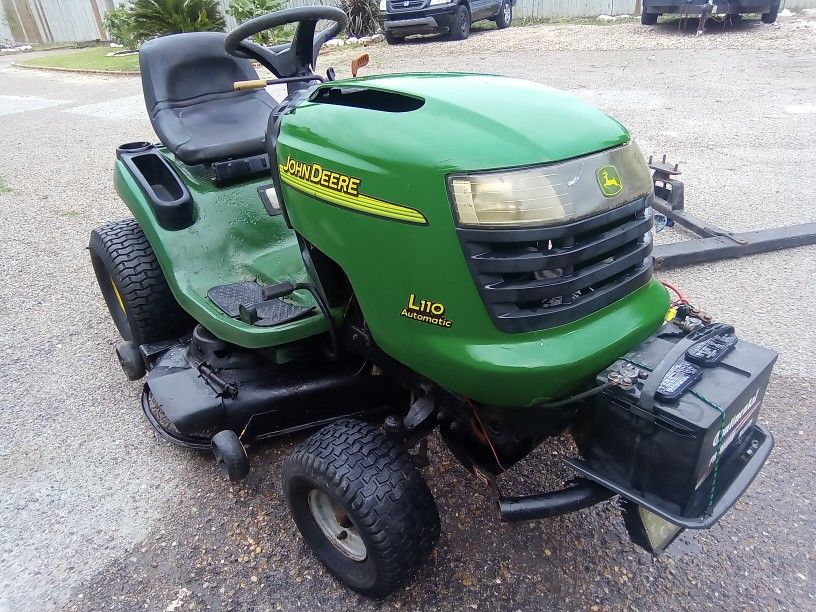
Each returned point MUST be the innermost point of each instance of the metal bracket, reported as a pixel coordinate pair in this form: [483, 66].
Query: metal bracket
[714, 243]
[707, 11]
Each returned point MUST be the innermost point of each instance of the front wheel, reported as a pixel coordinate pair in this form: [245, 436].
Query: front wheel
[361, 505]
[648, 18]
[393, 39]
[505, 15]
[460, 25]
[771, 15]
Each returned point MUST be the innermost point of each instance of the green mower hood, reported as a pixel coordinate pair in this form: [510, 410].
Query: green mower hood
[364, 165]
[457, 121]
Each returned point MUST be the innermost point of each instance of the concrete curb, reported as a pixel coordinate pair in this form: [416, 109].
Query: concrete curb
[78, 70]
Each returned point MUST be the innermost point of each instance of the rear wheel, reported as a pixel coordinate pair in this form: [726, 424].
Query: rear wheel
[648, 18]
[133, 285]
[460, 24]
[771, 15]
[392, 39]
[361, 505]
[505, 15]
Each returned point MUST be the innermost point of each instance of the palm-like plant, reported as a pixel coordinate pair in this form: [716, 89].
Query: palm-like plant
[161, 17]
[362, 16]
[248, 9]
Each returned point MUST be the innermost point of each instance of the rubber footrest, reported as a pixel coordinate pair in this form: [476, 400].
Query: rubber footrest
[230, 298]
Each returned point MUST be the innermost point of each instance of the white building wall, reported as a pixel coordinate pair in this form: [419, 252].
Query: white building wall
[76, 20]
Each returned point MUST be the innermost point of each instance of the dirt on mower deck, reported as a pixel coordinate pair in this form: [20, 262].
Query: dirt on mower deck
[96, 513]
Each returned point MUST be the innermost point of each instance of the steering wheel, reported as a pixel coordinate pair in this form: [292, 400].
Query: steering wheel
[289, 59]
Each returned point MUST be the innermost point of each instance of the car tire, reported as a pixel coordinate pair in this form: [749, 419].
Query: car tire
[391, 39]
[505, 15]
[133, 285]
[460, 24]
[361, 505]
[770, 16]
[648, 18]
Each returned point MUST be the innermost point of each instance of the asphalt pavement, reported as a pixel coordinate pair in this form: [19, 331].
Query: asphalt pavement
[97, 513]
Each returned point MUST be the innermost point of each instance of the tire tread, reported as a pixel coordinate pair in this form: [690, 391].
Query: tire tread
[390, 497]
[152, 310]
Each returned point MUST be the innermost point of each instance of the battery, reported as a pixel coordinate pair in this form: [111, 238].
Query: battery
[676, 416]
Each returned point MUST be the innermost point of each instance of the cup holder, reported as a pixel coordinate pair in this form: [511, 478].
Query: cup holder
[166, 194]
[133, 147]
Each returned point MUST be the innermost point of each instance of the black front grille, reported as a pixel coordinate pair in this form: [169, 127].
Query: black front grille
[536, 278]
[405, 5]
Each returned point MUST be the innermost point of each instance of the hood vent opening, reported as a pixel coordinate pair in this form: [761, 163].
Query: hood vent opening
[371, 99]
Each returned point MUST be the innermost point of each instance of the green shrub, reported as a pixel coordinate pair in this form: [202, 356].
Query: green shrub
[362, 16]
[119, 26]
[153, 18]
[242, 10]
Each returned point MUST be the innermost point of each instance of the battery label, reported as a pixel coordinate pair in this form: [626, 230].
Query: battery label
[738, 424]
[734, 423]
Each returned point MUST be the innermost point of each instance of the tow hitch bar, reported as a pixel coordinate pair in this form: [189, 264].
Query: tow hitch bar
[714, 243]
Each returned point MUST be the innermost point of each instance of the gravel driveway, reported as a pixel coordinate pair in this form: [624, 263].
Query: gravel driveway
[96, 513]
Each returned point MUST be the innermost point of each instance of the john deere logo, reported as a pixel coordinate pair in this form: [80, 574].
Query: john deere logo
[609, 181]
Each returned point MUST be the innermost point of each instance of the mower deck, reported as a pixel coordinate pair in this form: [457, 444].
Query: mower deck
[205, 385]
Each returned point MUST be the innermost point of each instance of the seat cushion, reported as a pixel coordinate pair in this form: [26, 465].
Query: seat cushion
[187, 81]
[215, 130]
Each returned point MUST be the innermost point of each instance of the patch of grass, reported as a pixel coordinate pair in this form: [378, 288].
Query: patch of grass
[4, 188]
[70, 214]
[93, 58]
[50, 46]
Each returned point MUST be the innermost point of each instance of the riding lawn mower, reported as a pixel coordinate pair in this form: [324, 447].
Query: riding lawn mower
[380, 258]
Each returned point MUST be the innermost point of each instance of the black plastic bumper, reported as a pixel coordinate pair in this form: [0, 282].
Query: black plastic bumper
[425, 21]
[736, 476]
[698, 7]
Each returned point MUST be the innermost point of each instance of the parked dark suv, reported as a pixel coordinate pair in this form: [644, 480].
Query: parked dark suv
[401, 18]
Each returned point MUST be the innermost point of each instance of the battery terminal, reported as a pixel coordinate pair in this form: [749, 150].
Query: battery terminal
[625, 376]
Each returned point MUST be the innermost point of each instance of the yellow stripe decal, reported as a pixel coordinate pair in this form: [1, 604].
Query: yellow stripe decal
[116, 293]
[360, 203]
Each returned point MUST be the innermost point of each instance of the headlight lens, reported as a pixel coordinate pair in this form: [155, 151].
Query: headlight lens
[659, 532]
[437, 2]
[552, 194]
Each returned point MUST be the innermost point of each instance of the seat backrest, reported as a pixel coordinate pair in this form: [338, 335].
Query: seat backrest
[192, 67]
[188, 89]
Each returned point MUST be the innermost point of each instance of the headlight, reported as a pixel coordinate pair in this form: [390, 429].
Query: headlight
[382, 6]
[437, 2]
[551, 194]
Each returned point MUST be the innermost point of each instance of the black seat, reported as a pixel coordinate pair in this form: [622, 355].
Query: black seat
[187, 81]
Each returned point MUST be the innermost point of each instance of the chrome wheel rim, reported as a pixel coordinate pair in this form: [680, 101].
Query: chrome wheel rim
[506, 12]
[336, 525]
